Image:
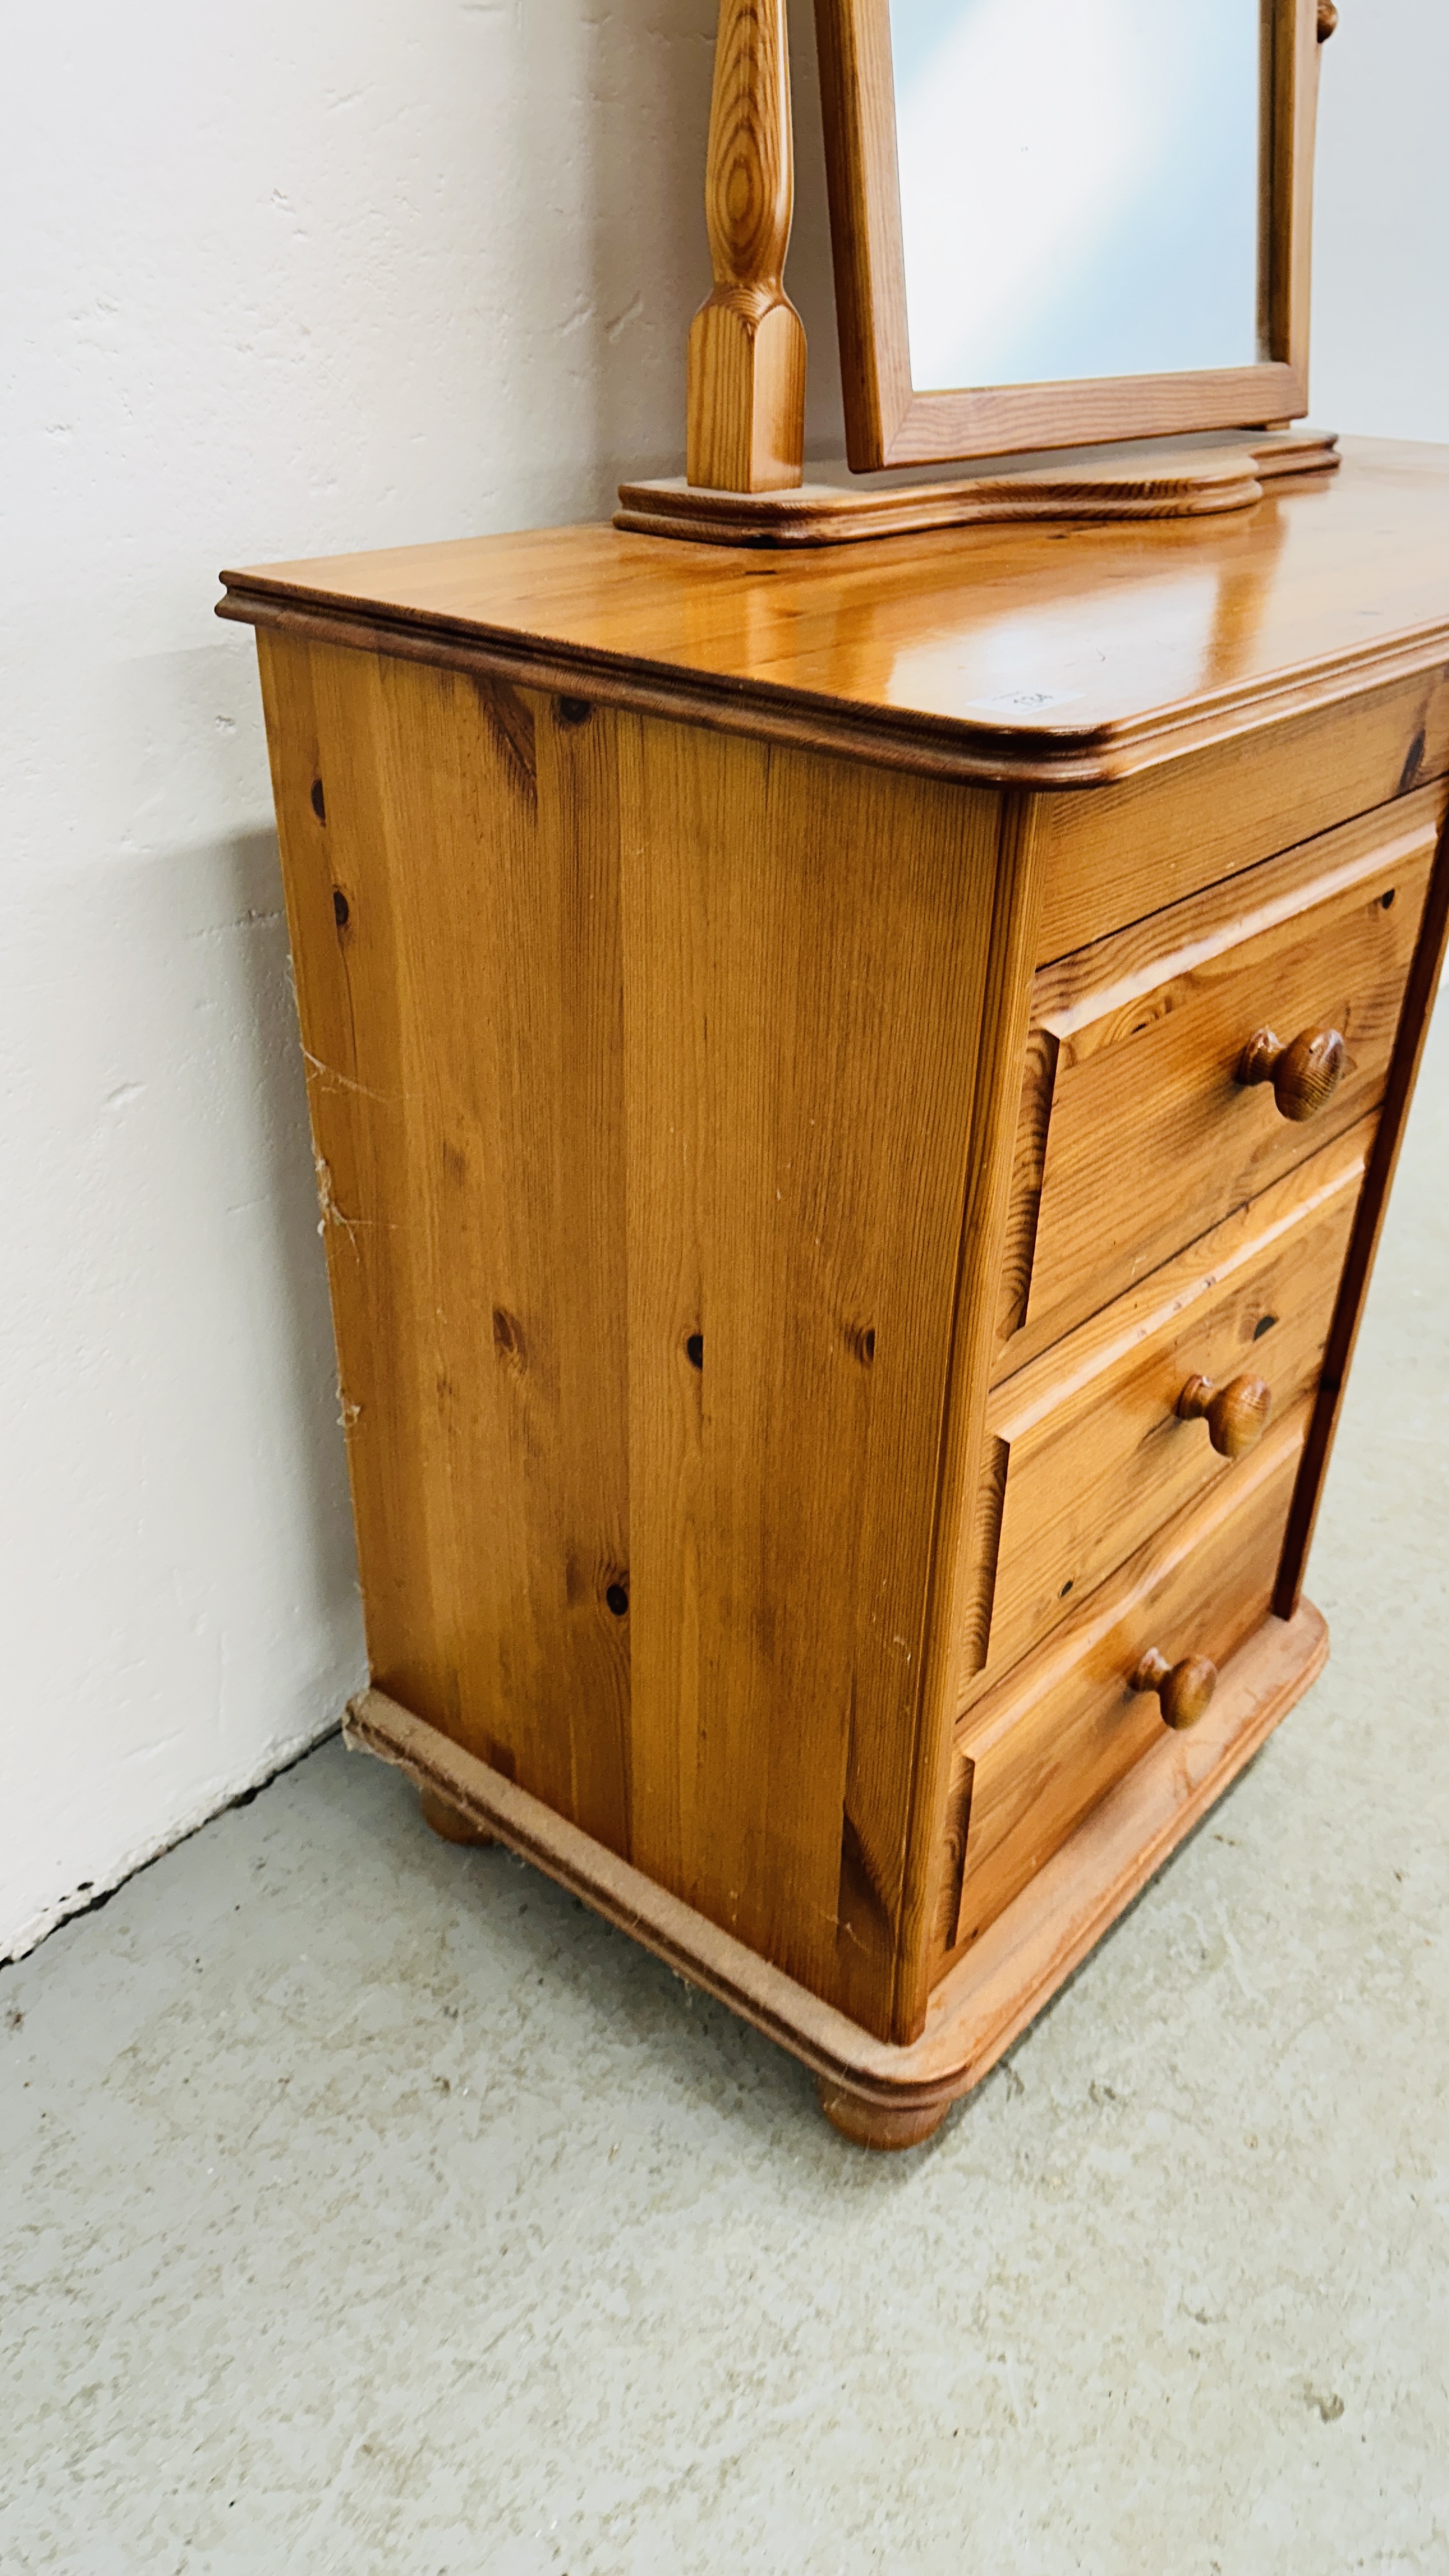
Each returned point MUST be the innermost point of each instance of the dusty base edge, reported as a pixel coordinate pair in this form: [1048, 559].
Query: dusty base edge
[1003, 1981]
[1174, 484]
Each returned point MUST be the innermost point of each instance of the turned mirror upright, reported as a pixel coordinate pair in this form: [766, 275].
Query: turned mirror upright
[855, 1084]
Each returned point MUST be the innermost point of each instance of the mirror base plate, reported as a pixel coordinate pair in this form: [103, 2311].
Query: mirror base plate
[1179, 481]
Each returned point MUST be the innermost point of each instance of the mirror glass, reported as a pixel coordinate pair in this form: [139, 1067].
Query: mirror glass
[1079, 186]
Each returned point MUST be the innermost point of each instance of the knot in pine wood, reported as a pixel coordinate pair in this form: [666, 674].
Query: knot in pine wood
[750, 242]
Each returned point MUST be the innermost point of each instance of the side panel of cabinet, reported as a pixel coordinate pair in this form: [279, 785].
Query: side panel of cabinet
[450, 854]
[650, 1070]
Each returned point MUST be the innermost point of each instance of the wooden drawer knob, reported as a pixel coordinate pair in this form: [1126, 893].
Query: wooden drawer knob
[1304, 1074]
[1236, 1414]
[1184, 1689]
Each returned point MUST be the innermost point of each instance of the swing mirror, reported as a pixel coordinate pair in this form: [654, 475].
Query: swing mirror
[1060, 222]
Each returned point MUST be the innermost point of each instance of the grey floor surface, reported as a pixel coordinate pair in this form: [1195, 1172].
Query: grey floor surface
[366, 2205]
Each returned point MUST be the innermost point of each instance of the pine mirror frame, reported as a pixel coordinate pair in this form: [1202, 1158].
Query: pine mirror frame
[890, 423]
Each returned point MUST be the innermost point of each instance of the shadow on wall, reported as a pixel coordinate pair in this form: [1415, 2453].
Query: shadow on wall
[181, 1593]
[277, 1086]
[223, 1368]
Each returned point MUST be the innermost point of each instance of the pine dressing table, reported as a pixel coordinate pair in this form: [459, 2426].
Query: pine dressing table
[854, 1091]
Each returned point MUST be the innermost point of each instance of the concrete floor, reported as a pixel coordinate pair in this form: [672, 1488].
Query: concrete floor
[368, 2206]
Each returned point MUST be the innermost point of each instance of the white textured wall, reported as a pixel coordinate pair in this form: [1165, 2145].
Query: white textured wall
[278, 281]
[1381, 285]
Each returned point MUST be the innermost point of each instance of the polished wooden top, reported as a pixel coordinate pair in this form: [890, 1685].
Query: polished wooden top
[1058, 655]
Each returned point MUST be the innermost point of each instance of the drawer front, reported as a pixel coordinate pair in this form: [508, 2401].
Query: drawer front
[1088, 1451]
[1120, 853]
[1137, 1131]
[1034, 1757]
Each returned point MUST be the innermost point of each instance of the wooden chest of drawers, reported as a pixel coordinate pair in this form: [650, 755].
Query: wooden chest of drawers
[853, 1102]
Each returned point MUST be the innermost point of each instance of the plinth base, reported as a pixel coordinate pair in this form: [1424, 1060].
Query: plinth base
[876, 2094]
[1143, 482]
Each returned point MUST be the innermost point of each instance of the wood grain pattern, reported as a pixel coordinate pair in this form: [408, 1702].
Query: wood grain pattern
[1151, 1136]
[956, 1570]
[1304, 1071]
[892, 421]
[1001, 420]
[1002, 1981]
[1088, 1453]
[1286, 226]
[798, 1160]
[747, 359]
[1028, 1173]
[1022, 655]
[1070, 1721]
[862, 173]
[654, 1077]
[1132, 850]
[463, 1034]
[976, 1591]
[1245, 903]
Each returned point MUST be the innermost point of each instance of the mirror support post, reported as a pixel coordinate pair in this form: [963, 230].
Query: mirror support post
[746, 414]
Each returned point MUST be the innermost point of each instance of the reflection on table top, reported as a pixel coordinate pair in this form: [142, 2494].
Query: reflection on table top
[1060, 651]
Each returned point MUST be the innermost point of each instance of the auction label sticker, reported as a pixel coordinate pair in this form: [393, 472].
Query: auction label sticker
[1024, 702]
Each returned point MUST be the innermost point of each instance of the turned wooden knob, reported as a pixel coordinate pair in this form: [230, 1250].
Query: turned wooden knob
[1327, 20]
[1304, 1074]
[1184, 1689]
[1236, 1414]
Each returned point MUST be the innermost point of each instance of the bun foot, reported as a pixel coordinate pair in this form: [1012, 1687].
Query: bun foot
[450, 1821]
[873, 2124]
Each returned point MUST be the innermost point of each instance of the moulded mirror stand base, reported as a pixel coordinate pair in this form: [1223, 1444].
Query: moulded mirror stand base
[838, 509]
